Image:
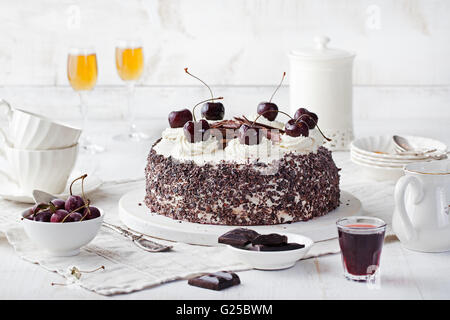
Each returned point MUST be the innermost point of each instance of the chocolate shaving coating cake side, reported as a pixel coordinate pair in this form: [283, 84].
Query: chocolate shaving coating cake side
[295, 188]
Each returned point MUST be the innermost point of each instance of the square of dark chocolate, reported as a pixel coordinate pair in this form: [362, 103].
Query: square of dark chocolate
[285, 247]
[239, 237]
[216, 281]
[272, 239]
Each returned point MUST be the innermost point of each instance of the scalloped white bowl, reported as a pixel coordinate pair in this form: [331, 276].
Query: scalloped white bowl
[382, 147]
[378, 173]
[62, 239]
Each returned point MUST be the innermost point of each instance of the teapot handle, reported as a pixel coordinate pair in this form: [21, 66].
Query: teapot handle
[400, 208]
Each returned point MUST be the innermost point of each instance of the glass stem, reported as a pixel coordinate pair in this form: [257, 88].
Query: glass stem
[83, 108]
[130, 107]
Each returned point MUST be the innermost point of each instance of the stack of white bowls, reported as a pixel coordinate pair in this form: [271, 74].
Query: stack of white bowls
[41, 153]
[378, 158]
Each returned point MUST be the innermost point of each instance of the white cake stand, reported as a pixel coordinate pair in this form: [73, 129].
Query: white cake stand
[135, 215]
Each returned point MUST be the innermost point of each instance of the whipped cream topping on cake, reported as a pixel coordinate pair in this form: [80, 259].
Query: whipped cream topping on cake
[298, 144]
[174, 144]
[264, 152]
[172, 133]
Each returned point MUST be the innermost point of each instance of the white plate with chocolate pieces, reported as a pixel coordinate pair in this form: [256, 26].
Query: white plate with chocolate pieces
[271, 251]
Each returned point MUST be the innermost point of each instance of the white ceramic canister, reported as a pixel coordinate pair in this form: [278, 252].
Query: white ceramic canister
[321, 81]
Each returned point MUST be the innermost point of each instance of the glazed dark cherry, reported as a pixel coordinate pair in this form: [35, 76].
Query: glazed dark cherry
[309, 117]
[268, 110]
[249, 135]
[177, 119]
[196, 131]
[210, 110]
[213, 111]
[296, 128]
[264, 108]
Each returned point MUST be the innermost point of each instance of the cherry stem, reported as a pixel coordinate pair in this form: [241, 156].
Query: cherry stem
[282, 78]
[300, 118]
[82, 177]
[88, 211]
[212, 99]
[101, 267]
[212, 96]
[267, 111]
[38, 208]
[74, 210]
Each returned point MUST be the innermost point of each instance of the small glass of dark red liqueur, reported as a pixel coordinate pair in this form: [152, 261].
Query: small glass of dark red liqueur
[361, 240]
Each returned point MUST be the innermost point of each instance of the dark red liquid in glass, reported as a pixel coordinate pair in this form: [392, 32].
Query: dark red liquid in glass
[360, 251]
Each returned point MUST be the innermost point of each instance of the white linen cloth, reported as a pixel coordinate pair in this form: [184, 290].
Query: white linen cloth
[128, 268]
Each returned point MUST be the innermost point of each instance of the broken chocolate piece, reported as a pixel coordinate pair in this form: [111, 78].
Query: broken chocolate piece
[285, 247]
[216, 281]
[272, 239]
[239, 237]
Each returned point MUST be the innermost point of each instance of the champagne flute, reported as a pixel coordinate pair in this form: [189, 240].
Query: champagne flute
[82, 75]
[130, 65]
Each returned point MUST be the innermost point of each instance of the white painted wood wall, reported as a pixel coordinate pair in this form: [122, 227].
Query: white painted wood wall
[402, 69]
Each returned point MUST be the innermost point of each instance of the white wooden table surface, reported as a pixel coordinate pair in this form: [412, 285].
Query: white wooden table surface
[404, 274]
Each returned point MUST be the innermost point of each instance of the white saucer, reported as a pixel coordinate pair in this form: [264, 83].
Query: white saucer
[11, 191]
[139, 218]
[378, 173]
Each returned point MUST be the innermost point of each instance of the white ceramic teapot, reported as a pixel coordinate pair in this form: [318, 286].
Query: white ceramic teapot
[421, 218]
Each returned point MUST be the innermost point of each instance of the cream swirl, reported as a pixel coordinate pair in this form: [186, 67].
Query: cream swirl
[297, 144]
[265, 151]
[185, 148]
[172, 133]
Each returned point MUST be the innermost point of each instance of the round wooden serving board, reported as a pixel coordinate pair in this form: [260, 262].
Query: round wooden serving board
[139, 218]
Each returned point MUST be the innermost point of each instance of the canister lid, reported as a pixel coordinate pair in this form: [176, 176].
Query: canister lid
[321, 51]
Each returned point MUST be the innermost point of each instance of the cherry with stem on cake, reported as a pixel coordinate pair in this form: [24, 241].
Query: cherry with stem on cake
[196, 131]
[305, 116]
[249, 135]
[292, 128]
[210, 110]
[270, 109]
[296, 128]
[311, 120]
[177, 119]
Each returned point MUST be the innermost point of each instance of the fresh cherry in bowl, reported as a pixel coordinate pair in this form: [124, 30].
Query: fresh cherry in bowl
[62, 227]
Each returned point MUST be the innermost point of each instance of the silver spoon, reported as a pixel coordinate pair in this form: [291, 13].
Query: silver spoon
[403, 146]
[402, 143]
[140, 240]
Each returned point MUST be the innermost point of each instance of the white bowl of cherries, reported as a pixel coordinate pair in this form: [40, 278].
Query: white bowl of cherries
[62, 227]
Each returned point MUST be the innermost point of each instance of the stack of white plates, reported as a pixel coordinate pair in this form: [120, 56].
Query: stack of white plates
[377, 156]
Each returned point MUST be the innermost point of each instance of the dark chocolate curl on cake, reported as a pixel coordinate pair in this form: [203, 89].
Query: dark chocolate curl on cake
[302, 186]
